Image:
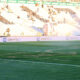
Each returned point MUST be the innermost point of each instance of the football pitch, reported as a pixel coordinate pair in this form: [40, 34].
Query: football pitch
[50, 60]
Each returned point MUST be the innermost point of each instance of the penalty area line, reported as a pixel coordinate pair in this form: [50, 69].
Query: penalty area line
[23, 61]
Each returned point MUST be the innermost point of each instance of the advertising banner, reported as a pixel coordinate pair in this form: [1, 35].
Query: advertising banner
[19, 39]
[27, 39]
[4, 39]
[1, 40]
[73, 38]
[43, 38]
[52, 38]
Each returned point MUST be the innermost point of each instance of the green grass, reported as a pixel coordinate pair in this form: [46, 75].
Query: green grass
[67, 52]
[23, 70]
[55, 60]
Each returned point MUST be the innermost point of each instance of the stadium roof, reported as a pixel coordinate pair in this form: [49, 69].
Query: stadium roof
[46, 2]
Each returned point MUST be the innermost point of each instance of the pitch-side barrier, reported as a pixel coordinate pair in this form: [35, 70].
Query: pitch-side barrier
[43, 38]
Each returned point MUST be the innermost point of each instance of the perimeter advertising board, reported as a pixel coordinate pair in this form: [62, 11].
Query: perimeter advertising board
[44, 38]
[18, 39]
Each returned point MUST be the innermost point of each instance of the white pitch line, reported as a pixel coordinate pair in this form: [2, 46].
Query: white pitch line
[41, 62]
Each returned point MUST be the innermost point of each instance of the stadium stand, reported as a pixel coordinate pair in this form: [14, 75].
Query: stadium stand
[35, 19]
[2, 19]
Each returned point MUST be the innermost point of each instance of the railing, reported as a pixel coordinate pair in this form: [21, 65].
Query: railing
[44, 2]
